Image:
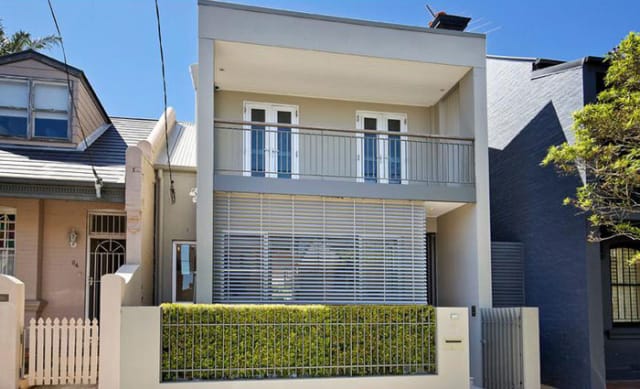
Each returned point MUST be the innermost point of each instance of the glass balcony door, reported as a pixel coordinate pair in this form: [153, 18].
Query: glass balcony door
[270, 151]
[381, 157]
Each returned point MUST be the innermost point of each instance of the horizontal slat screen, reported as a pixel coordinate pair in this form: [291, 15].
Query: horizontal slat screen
[299, 249]
[507, 274]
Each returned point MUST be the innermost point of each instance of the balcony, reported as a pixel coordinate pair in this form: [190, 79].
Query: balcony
[301, 159]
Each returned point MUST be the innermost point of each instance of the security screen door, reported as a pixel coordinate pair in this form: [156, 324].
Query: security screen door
[381, 157]
[106, 252]
[270, 151]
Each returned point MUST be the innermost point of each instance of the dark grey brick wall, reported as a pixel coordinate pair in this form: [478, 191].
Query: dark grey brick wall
[526, 117]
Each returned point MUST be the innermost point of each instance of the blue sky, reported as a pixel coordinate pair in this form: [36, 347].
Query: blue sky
[115, 42]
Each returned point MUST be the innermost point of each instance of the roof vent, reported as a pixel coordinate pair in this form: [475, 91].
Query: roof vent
[444, 21]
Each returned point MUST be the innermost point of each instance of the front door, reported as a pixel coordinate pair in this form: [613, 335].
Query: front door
[106, 252]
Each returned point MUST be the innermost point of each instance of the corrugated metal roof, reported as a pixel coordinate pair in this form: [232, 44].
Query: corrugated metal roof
[107, 154]
[182, 148]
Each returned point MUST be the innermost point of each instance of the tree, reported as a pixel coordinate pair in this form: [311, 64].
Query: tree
[607, 148]
[22, 40]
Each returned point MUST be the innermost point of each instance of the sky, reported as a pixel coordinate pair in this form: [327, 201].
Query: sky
[115, 41]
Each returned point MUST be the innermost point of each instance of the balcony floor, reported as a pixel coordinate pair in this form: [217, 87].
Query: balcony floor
[316, 187]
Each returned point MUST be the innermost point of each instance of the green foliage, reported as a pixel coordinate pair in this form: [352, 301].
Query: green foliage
[268, 341]
[607, 147]
[22, 40]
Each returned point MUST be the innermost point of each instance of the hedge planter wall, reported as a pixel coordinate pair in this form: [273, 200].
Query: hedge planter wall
[213, 342]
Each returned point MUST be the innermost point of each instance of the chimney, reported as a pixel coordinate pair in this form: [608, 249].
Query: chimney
[443, 21]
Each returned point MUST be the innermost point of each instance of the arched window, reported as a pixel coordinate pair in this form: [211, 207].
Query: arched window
[625, 285]
[7, 240]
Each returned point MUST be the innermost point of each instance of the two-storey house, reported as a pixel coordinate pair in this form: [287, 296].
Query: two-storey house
[339, 161]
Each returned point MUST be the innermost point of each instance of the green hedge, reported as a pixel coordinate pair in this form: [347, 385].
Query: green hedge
[268, 341]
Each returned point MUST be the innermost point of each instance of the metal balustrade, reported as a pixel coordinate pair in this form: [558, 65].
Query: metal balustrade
[252, 342]
[285, 151]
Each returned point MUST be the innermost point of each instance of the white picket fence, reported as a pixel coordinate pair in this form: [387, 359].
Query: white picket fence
[62, 352]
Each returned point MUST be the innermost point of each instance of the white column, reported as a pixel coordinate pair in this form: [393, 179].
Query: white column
[482, 217]
[482, 185]
[205, 149]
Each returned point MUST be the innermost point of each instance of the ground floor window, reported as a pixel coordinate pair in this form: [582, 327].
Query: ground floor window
[625, 285]
[184, 271]
[299, 249]
[7, 241]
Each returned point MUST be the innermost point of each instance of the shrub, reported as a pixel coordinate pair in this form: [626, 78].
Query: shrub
[269, 341]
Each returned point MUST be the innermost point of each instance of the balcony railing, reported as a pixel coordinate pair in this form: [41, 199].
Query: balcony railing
[285, 151]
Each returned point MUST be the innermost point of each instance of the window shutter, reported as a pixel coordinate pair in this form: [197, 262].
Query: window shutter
[507, 274]
[303, 249]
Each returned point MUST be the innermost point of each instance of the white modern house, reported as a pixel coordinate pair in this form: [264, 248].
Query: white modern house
[339, 161]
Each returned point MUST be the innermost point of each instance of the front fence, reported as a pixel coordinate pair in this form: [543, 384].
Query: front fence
[218, 342]
[62, 352]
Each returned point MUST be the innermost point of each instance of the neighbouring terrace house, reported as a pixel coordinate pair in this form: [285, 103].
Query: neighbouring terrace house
[61, 226]
[339, 161]
[588, 295]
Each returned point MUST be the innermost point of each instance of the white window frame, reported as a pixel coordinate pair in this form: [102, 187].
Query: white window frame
[382, 119]
[12, 211]
[31, 110]
[271, 139]
[174, 260]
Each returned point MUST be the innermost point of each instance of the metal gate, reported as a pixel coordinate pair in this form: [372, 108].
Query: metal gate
[106, 253]
[510, 348]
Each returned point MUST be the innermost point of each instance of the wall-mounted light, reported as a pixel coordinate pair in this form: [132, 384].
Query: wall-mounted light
[194, 194]
[73, 238]
[98, 185]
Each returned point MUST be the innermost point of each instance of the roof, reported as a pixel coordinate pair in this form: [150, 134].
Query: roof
[107, 153]
[54, 63]
[336, 19]
[182, 149]
[545, 66]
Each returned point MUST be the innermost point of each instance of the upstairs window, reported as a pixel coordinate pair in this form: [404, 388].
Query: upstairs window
[34, 109]
[14, 108]
[50, 111]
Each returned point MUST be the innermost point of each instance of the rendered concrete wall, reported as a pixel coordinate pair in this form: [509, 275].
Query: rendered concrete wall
[459, 273]
[140, 359]
[54, 273]
[464, 247]
[237, 23]
[140, 202]
[177, 223]
[28, 255]
[323, 112]
[117, 290]
[64, 267]
[11, 327]
[205, 114]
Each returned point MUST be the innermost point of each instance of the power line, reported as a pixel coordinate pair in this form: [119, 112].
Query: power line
[98, 180]
[172, 191]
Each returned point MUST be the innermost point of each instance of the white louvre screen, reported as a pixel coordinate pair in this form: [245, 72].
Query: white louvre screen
[299, 249]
